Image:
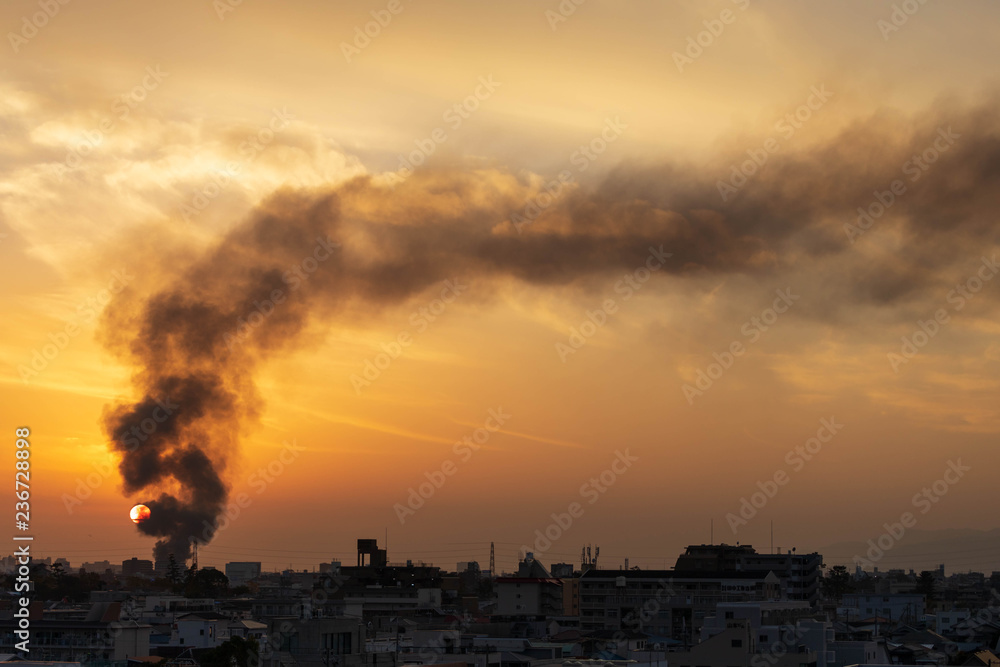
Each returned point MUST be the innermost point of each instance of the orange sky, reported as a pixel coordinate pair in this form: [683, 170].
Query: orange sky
[147, 104]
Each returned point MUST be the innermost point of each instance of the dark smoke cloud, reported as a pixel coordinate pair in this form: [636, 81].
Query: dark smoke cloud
[397, 242]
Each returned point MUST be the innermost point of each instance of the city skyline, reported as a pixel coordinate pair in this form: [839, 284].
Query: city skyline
[924, 553]
[574, 273]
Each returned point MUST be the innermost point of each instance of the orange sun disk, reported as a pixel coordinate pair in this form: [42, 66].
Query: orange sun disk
[139, 513]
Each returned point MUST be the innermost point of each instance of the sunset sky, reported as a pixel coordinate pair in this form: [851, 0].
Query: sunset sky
[559, 213]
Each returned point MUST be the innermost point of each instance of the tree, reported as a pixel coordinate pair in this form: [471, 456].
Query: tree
[173, 571]
[235, 652]
[56, 583]
[837, 582]
[205, 584]
[925, 585]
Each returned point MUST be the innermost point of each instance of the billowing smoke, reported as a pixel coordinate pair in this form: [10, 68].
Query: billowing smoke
[195, 362]
[196, 342]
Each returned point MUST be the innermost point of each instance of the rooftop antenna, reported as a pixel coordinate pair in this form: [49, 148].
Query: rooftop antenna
[712, 531]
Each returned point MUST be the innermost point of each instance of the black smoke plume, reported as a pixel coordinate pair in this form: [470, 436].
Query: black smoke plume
[196, 343]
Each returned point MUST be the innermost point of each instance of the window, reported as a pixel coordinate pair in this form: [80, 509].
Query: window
[729, 615]
[737, 643]
[762, 639]
[289, 641]
[342, 643]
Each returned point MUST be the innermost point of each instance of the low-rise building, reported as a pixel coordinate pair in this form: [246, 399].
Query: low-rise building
[315, 642]
[533, 592]
[666, 603]
[199, 630]
[241, 572]
[895, 608]
[82, 641]
[737, 646]
[137, 567]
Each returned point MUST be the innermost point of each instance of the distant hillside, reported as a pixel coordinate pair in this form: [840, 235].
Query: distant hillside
[959, 549]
